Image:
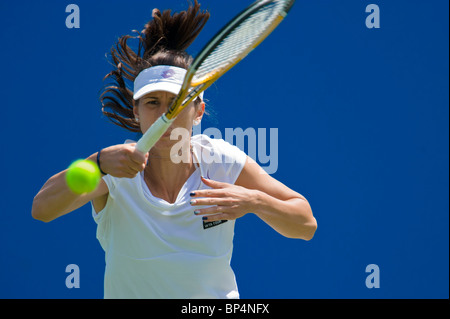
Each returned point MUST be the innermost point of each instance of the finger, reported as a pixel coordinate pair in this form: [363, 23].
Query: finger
[217, 217]
[129, 172]
[135, 163]
[130, 168]
[208, 193]
[211, 210]
[138, 160]
[126, 174]
[209, 201]
[214, 184]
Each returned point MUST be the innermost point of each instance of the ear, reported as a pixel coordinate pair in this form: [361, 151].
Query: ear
[136, 108]
[200, 111]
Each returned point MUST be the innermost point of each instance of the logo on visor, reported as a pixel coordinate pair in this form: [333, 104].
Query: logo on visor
[168, 74]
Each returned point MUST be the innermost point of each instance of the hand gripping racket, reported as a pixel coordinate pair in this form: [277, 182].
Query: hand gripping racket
[229, 46]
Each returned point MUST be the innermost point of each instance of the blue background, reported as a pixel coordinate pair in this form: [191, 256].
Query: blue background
[362, 116]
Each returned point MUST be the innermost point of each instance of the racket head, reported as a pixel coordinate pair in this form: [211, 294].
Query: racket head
[238, 38]
[229, 46]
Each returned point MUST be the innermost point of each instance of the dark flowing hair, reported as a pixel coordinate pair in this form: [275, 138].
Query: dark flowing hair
[163, 41]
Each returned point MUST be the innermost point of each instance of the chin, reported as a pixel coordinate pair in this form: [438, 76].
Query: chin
[165, 144]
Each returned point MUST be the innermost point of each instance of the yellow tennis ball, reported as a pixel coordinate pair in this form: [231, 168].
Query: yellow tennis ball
[83, 176]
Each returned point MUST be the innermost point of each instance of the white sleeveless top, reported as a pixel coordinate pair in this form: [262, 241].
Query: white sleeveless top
[154, 249]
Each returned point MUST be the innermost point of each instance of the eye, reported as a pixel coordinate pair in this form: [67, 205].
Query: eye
[151, 102]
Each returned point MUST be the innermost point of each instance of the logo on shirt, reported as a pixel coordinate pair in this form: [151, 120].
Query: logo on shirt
[207, 225]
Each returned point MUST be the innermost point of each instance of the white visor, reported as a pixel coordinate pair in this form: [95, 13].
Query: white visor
[159, 78]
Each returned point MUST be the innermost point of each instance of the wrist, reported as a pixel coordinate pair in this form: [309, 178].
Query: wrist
[258, 201]
[98, 163]
[95, 158]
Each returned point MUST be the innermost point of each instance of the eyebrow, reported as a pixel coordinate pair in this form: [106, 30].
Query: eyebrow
[156, 98]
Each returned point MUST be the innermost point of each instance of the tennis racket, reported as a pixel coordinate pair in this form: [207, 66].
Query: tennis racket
[229, 46]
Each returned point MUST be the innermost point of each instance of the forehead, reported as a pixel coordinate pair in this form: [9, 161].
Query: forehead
[159, 95]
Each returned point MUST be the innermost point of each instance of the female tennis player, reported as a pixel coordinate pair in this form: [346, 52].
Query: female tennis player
[167, 225]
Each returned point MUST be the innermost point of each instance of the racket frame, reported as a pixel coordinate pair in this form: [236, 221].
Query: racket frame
[191, 89]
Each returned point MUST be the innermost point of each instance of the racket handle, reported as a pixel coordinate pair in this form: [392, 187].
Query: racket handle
[153, 134]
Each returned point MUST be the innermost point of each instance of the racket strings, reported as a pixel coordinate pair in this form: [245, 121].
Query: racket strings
[240, 41]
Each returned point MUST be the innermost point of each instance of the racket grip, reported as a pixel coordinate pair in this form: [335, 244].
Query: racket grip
[153, 134]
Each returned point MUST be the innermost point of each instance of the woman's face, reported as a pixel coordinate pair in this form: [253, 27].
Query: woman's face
[155, 104]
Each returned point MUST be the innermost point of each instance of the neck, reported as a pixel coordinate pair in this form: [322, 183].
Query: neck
[165, 174]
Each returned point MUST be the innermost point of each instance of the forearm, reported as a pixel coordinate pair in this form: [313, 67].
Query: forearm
[291, 218]
[56, 199]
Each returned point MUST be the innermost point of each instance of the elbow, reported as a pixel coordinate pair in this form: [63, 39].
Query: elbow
[312, 227]
[309, 225]
[40, 217]
[307, 231]
[37, 211]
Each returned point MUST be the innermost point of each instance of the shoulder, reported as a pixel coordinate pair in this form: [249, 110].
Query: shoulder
[219, 147]
[218, 159]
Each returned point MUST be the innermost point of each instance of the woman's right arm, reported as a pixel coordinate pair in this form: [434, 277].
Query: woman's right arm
[55, 199]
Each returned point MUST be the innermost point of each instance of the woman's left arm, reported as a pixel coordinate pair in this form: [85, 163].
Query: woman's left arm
[283, 209]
